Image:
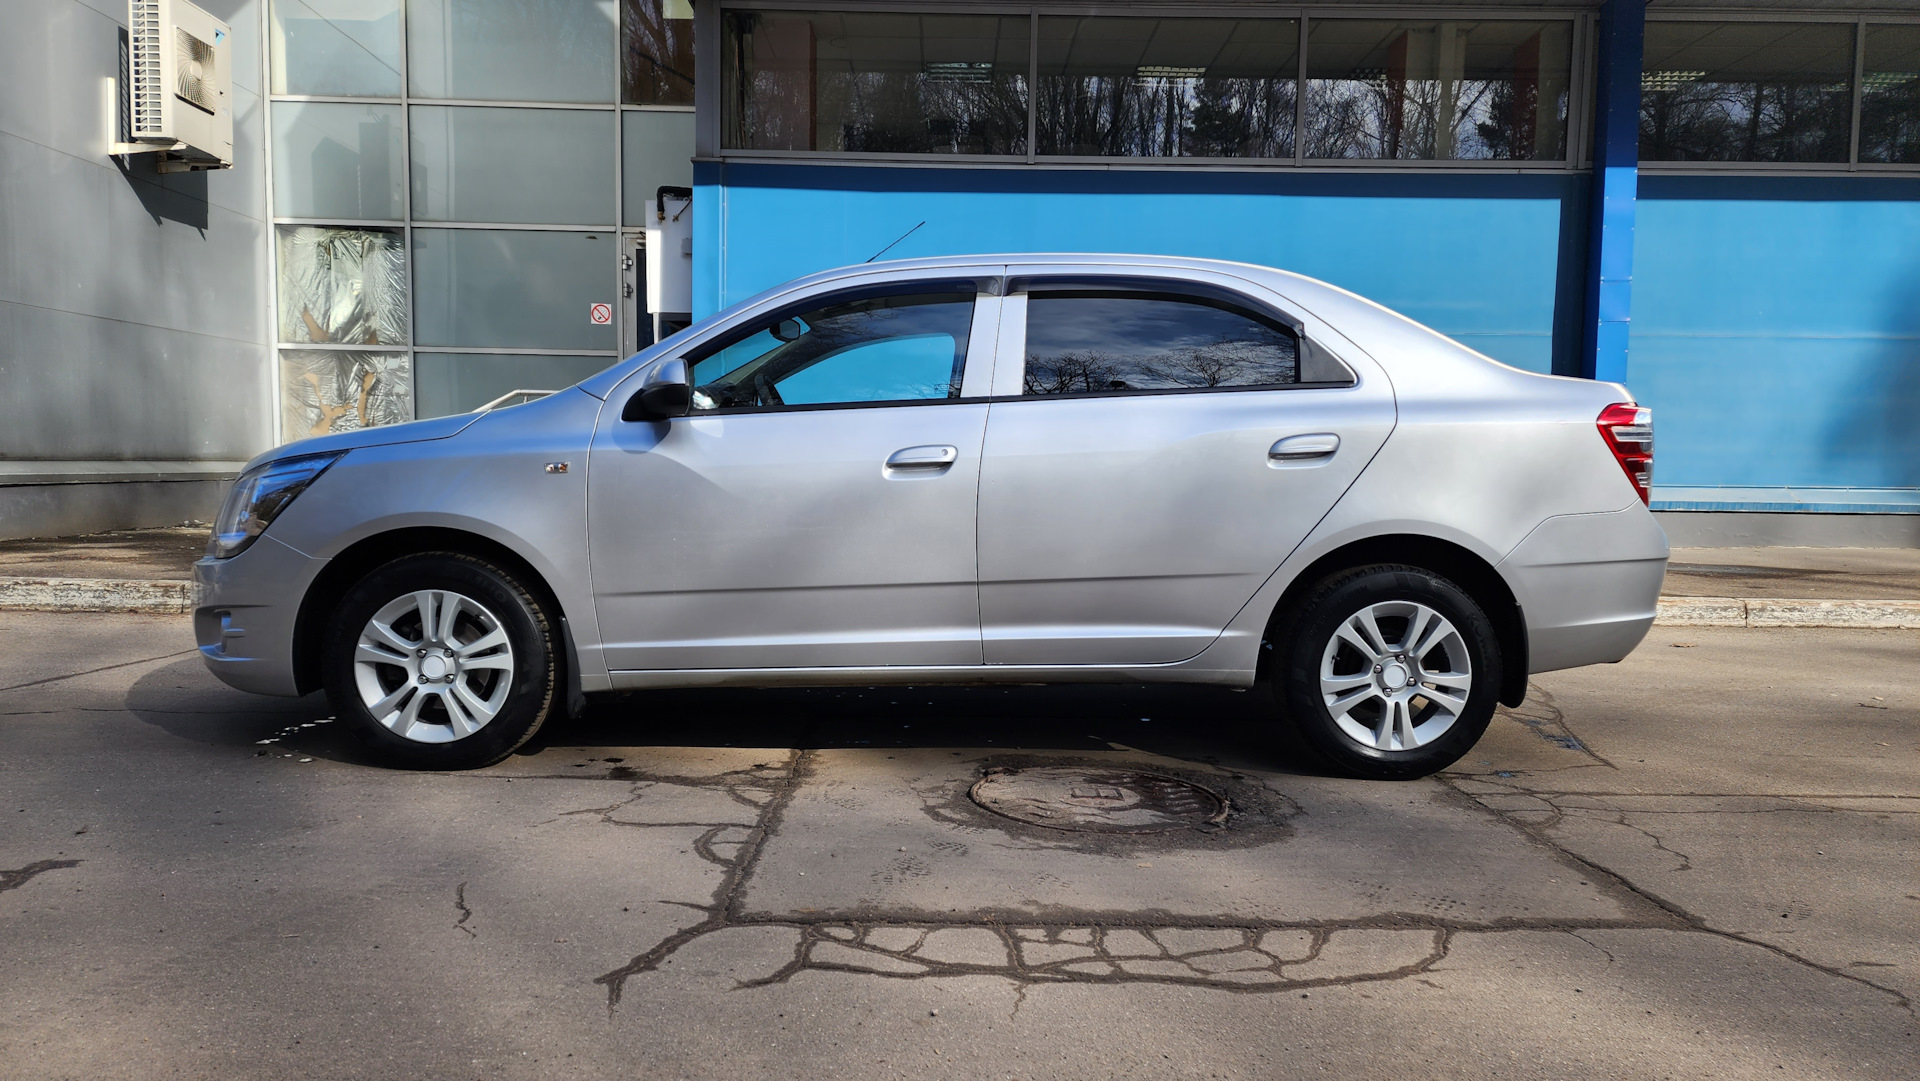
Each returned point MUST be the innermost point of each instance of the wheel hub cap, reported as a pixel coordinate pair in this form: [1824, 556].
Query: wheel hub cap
[433, 666]
[1395, 677]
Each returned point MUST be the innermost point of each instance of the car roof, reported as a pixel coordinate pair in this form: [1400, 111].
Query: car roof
[1353, 314]
[1273, 275]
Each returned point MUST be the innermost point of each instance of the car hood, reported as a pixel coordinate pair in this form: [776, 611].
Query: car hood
[413, 432]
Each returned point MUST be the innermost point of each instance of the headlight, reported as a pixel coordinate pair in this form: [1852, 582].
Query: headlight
[259, 496]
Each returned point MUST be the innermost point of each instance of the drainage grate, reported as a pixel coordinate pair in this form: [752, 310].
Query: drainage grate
[1099, 800]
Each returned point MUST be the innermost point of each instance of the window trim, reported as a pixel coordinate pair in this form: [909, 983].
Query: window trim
[1579, 90]
[1134, 392]
[768, 410]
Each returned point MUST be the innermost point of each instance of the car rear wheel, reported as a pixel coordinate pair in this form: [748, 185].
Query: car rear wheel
[1388, 672]
[440, 661]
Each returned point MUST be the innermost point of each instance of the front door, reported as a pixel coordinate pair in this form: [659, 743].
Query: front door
[1135, 491]
[817, 506]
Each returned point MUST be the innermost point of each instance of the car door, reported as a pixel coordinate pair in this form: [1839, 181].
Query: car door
[1165, 444]
[816, 508]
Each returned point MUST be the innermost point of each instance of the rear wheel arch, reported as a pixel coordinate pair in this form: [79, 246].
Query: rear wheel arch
[1449, 560]
[362, 557]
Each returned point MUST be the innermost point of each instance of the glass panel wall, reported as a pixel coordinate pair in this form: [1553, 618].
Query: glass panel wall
[502, 160]
[336, 160]
[458, 382]
[874, 82]
[511, 50]
[1210, 88]
[339, 390]
[1890, 96]
[513, 288]
[1438, 91]
[653, 155]
[341, 286]
[1747, 91]
[547, 166]
[339, 47]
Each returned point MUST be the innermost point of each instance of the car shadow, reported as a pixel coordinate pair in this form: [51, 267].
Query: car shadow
[1200, 724]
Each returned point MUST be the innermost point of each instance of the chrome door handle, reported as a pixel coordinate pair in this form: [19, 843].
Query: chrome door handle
[1304, 448]
[923, 458]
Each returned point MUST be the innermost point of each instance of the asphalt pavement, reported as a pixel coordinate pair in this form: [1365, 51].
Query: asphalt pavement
[1703, 862]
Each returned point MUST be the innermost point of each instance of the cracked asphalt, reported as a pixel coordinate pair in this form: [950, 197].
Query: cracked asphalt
[1703, 862]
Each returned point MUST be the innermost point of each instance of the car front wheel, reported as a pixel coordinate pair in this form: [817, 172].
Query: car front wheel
[440, 661]
[1388, 672]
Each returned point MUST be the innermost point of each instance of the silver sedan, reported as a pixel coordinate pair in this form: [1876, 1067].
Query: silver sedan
[994, 469]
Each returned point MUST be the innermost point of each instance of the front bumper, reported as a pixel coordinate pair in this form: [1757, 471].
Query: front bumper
[248, 607]
[1588, 584]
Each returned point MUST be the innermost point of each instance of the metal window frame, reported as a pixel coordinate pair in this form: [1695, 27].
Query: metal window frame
[517, 351]
[1860, 19]
[1579, 90]
[407, 221]
[275, 406]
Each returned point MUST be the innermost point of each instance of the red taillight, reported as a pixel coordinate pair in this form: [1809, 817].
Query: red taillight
[1628, 430]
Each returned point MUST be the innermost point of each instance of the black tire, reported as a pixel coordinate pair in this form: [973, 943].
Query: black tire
[1303, 636]
[526, 692]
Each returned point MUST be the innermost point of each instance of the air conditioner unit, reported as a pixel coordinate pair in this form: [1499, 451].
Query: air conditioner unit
[179, 86]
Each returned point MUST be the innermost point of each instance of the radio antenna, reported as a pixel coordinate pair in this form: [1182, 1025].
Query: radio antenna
[890, 247]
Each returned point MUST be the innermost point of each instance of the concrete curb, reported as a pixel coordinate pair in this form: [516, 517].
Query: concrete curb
[96, 595]
[176, 598]
[1782, 612]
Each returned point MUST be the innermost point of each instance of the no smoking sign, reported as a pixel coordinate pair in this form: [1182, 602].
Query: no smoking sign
[600, 314]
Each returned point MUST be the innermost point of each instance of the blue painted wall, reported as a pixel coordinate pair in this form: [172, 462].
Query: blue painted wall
[1492, 260]
[1776, 329]
[1775, 321]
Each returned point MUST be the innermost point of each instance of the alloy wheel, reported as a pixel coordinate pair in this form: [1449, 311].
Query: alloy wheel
[433, 666]
[1395, 676]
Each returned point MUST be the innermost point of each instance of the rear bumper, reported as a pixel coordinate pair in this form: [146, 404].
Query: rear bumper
[247, 610]
[1588, 584]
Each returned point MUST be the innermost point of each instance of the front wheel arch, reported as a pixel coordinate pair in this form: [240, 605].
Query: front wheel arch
[1460, 565]
[364, 556]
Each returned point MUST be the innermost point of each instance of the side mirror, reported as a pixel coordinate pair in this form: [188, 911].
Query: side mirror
[667, 392]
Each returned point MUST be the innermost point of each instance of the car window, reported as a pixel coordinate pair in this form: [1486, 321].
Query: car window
[875, 349]
[1084, 342]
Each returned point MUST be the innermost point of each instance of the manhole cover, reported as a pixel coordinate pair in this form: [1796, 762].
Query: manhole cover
[1098, 800]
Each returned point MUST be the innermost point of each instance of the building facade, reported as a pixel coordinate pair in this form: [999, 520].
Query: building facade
[437, 202]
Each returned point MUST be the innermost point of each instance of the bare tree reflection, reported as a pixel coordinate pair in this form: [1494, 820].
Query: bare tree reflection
[1747, 91]
[850, 82]
[1890, 95]
[658, 55]
[1692, 119]
[1166, 116]
[1221, 364]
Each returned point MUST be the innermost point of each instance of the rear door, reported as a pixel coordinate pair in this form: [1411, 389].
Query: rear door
[1155, 448]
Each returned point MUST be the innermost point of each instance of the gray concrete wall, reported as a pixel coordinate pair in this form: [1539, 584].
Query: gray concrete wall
[134, 323]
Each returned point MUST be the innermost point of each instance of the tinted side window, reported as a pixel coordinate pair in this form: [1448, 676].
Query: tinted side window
[880, 349]
[1089, 342]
